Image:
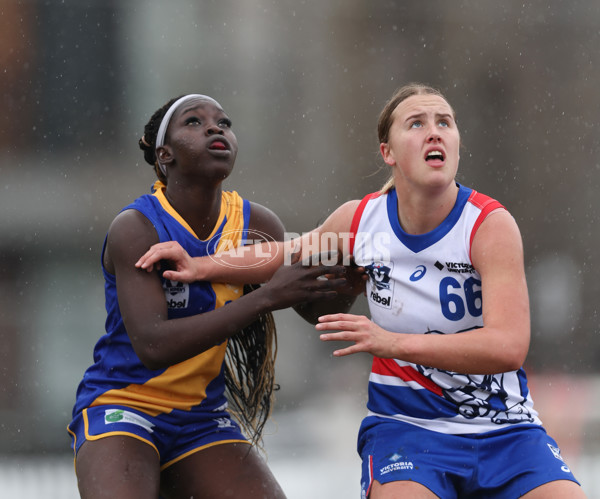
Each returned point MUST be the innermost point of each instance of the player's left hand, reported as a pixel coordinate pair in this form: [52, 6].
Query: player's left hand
[356, 279]
[355, 275]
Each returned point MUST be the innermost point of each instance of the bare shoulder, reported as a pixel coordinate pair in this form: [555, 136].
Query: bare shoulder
[341, 219]
[498, 224]
[130, 223]
[265, 221]
[348, 208]
[129, 237]
[498, 239]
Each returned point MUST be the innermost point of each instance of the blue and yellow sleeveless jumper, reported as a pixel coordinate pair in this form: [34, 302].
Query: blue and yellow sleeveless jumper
[197, 385]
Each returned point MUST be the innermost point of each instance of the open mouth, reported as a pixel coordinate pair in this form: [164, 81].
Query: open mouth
[434, 156]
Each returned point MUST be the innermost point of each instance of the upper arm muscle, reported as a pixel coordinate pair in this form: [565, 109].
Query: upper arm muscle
[337, 225]
[140, 294]
[497, 254]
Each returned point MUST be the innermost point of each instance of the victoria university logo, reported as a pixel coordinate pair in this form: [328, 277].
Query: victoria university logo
[382, 288]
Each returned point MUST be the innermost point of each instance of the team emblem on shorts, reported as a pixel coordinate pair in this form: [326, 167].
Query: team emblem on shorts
[121, 416]
[398, 462]
[382, 287]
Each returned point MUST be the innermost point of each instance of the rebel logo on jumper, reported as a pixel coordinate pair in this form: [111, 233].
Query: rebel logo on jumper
[176, 293]
[381, 289]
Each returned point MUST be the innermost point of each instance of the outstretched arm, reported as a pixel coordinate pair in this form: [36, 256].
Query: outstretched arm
[248, 264]
[160, 342]
[502, 343]
[258, 263]
[254, 263]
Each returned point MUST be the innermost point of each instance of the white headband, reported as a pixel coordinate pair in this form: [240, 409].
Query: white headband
[164, 124]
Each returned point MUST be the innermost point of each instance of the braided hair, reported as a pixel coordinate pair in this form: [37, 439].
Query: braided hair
[251, 353]
[250, 373]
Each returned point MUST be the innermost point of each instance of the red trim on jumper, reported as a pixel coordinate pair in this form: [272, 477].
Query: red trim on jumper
[370, 474]
[486, 204]
[357, 216]
[389, 367]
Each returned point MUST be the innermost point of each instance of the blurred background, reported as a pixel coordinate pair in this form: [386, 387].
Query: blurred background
[303, 82]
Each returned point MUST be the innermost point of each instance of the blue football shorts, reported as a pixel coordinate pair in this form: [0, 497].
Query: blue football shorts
[174, 435]
[496, 465]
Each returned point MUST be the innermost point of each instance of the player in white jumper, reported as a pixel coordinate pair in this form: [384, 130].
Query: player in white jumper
[450, 414]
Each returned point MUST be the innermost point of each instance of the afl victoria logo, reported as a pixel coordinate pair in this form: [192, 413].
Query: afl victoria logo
[379, 274]
[382, 289]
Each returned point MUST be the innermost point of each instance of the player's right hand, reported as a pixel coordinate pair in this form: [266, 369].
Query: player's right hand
[183, 268]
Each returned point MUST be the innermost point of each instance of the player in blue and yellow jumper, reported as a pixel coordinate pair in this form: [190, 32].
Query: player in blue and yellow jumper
[151, 415]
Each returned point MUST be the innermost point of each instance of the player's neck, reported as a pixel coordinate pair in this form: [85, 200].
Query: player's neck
[420, 213]
[199, 207]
